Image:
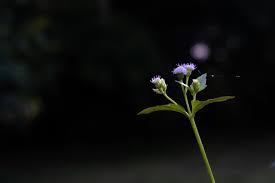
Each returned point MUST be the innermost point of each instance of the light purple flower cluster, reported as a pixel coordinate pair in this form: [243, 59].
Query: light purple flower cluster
[155, 79]
[180, 69]
[184, 69]
[190, 66]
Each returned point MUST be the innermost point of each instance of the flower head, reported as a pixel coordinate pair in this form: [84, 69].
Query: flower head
[180, 69]
[159, 84]
[155, 79]
[189, 66]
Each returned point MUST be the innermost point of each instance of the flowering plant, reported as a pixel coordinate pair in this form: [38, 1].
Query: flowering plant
[184, 71]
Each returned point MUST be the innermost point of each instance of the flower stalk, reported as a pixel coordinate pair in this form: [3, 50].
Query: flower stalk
[192, 107]
[185, 95]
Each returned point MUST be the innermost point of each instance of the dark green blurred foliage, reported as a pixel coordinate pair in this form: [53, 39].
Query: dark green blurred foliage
[29, 65]
[26, 65]
[58, 62]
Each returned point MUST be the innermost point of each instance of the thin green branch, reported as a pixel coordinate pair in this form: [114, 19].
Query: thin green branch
[195, 96]
[171, 100]
[184, 90]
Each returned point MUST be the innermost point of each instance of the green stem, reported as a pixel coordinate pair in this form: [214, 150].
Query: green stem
[171, 100]
[195, 96]
[184, 90]
[203, 153]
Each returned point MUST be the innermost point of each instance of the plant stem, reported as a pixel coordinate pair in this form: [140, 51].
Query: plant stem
[184, 90]
[195, 96]
[195, 130]
[171, 100]
[203, 153]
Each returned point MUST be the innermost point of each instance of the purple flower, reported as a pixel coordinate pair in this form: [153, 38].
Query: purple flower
[155, 79]
[180, 69]
[189, 66]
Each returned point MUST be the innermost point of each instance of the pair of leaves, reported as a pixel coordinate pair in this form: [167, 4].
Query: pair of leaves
[196, 106]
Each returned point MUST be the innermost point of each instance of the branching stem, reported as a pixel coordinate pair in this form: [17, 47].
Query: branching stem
[196, 132]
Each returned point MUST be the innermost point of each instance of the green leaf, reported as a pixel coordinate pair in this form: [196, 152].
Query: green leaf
[167, 107]
[202, 80]
[198, 105]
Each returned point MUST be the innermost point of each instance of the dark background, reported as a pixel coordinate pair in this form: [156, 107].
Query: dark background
[74, 74]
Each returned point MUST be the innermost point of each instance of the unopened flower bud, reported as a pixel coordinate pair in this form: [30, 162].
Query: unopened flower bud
[160, 85]
[195, 85]
[157, 91]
